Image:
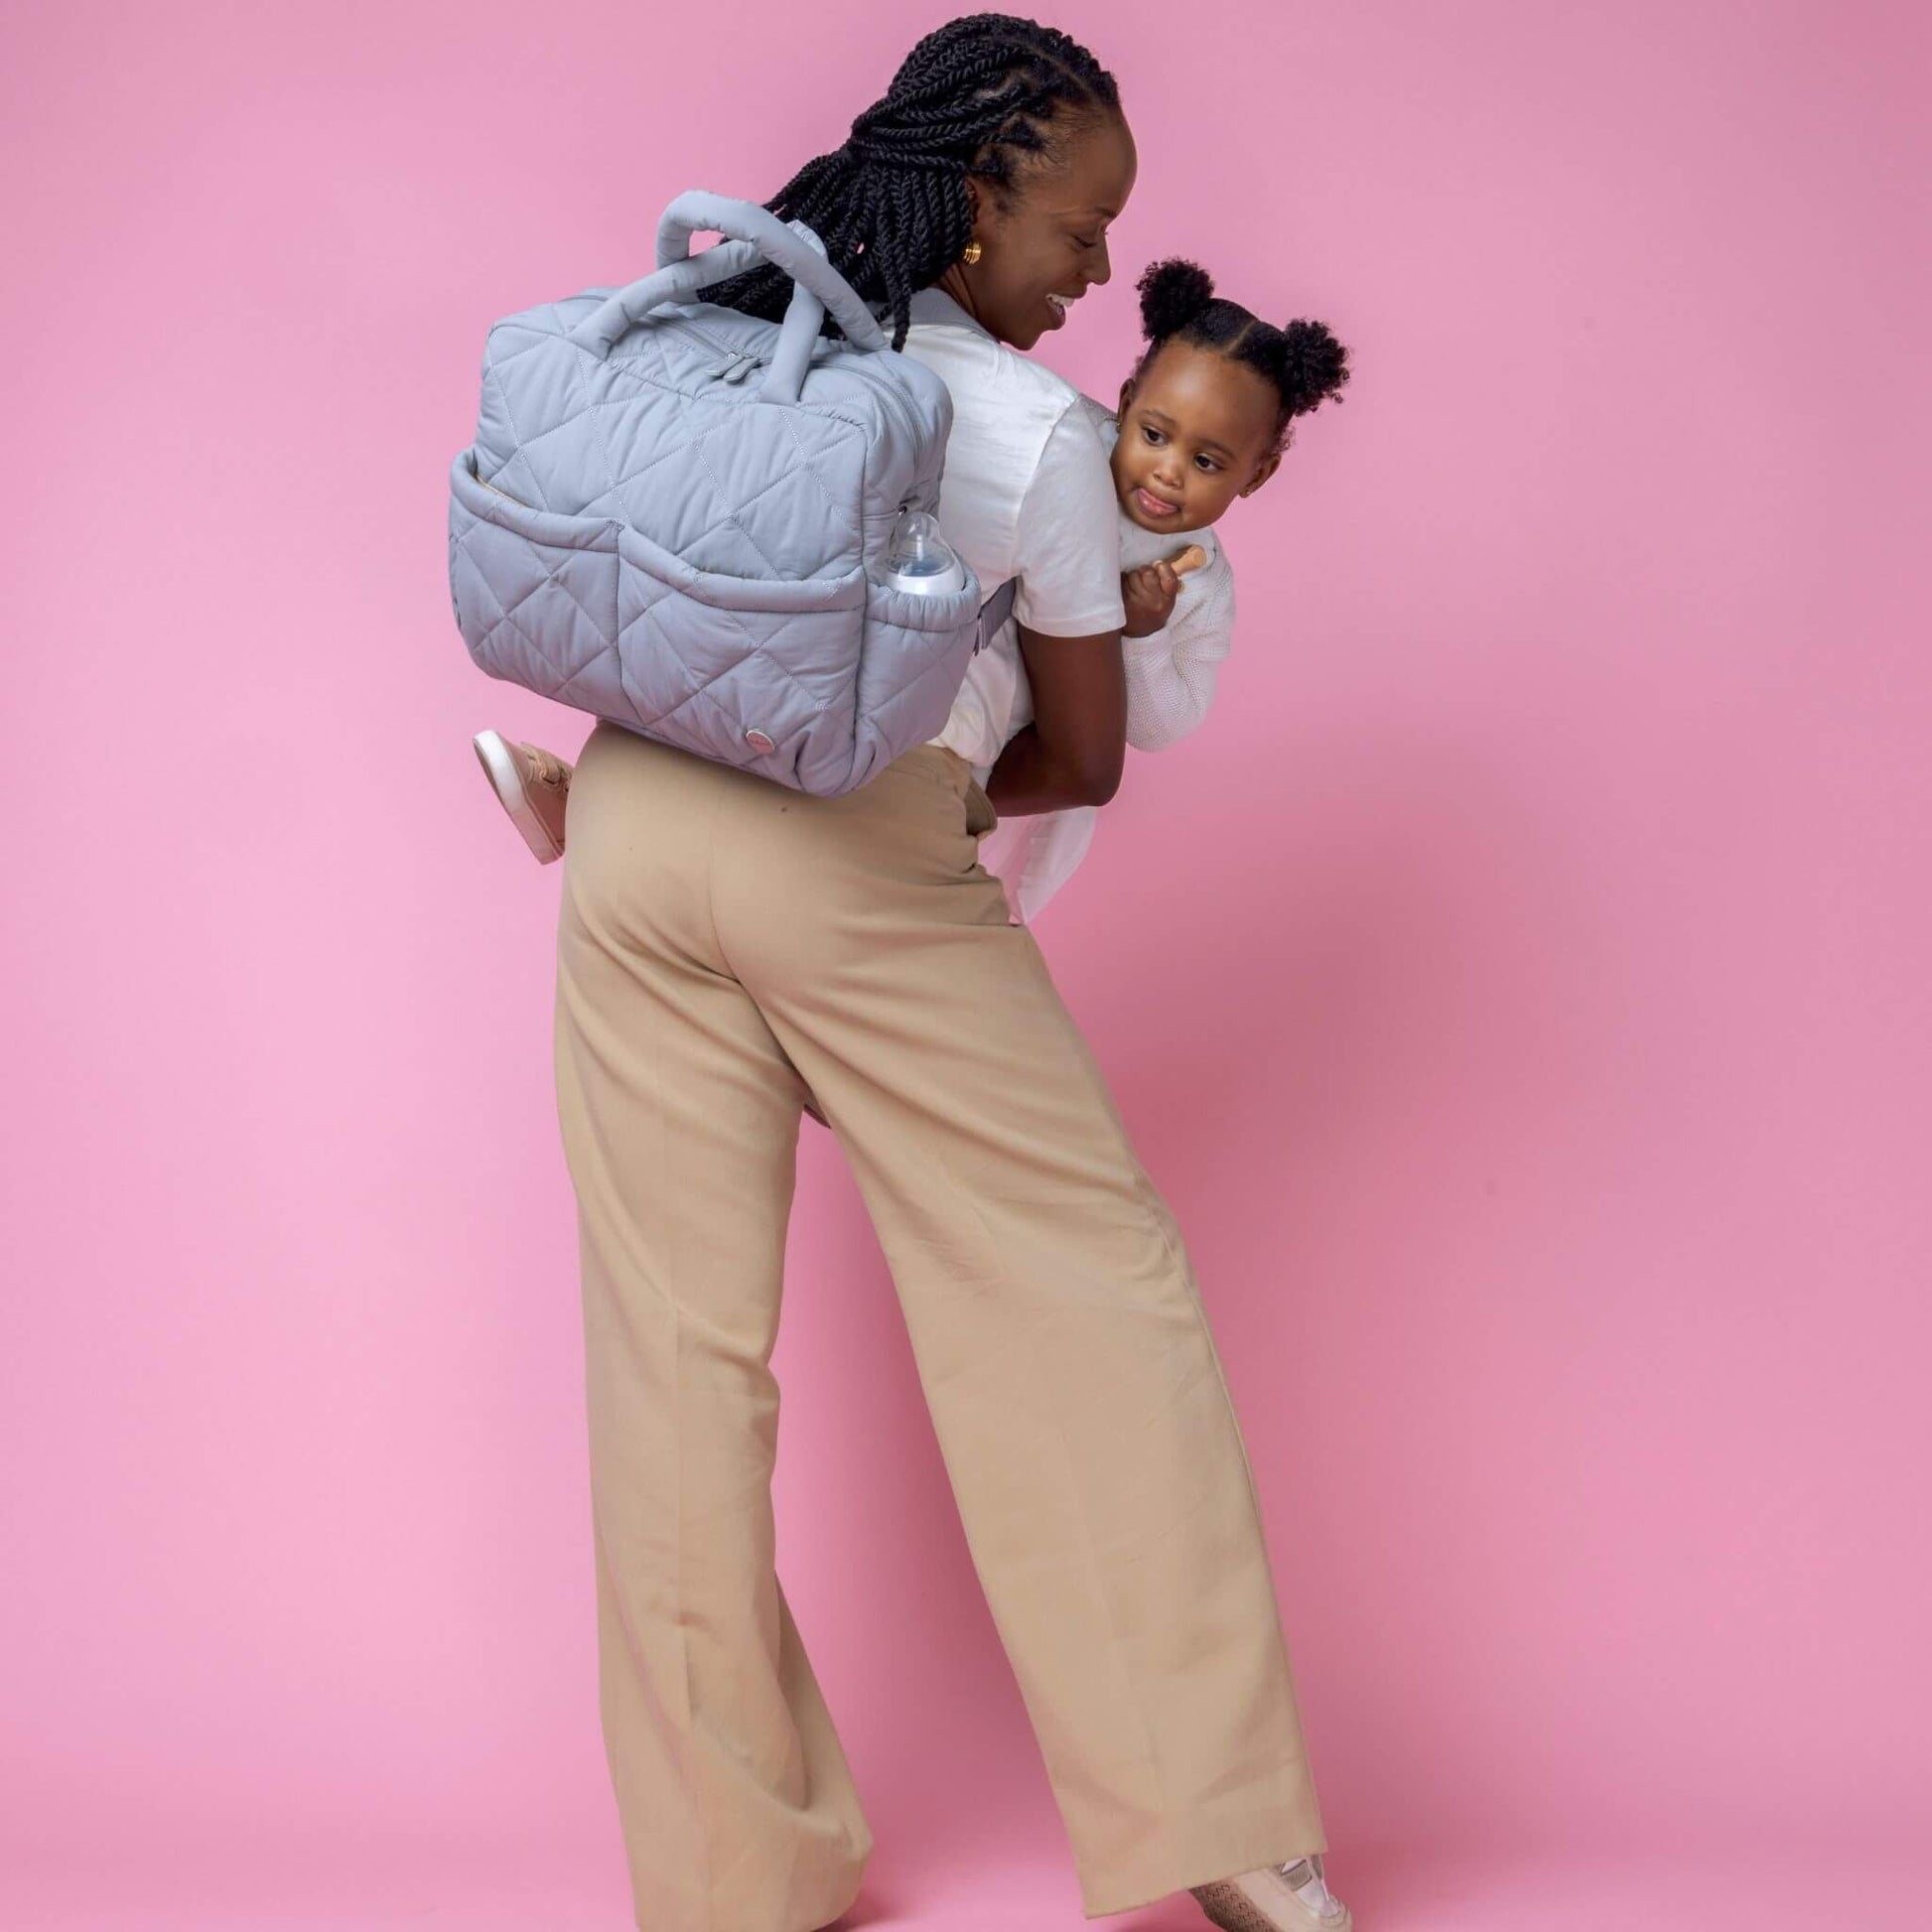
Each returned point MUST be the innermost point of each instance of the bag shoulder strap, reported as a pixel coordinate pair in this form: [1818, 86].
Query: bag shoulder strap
[994, 613]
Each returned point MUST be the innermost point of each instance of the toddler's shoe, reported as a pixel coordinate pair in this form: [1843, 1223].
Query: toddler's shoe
[533, 786]
[1292, 1897]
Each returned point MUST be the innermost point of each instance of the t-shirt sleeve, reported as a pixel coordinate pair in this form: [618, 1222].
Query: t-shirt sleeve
[1066, 545]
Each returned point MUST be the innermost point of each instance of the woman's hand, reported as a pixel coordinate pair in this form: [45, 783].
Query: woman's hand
[1148, 593]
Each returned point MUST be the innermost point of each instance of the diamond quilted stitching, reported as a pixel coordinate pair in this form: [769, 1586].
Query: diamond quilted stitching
[509, 620]
[592, 435]
[756, 646]
[542, 573]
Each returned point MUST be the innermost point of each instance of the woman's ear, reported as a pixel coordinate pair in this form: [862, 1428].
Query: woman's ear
[1265, 469]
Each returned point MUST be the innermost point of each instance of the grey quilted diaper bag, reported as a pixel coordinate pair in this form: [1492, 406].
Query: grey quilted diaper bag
[676, 516]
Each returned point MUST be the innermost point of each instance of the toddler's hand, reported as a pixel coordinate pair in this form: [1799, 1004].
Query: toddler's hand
[1149, 595]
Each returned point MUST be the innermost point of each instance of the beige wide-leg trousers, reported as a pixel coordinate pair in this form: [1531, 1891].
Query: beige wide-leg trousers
[727, 945]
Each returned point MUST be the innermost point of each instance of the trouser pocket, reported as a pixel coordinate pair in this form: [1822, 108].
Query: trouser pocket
[981, 814]
[981, 817]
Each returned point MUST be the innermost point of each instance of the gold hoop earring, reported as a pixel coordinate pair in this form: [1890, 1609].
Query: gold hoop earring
[971, 253]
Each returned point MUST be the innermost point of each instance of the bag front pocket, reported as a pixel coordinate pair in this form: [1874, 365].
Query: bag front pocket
[535, 592]
[756, 672]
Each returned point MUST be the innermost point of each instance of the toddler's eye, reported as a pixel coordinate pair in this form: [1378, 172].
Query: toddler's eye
[1207, 462]
[1152, 435]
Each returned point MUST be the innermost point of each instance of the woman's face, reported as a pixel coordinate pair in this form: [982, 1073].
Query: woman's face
[1049, 239]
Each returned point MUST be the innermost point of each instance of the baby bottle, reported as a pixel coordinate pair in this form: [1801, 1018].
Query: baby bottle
[920, 560]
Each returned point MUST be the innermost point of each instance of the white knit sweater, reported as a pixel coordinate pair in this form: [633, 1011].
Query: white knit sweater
[1170, 676]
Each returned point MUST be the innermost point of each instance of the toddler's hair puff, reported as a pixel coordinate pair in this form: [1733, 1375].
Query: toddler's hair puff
[1172, 292]
[1302, 358]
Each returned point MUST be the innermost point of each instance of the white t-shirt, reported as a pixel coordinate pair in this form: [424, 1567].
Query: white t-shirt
[1026, 493]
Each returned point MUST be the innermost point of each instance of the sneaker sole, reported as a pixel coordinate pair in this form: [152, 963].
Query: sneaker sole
[1229, 1907]
[500, 768]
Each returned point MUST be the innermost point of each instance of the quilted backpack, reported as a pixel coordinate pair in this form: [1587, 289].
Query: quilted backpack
[676, 516]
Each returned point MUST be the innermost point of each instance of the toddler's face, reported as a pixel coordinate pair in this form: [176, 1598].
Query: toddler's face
[1192, 436]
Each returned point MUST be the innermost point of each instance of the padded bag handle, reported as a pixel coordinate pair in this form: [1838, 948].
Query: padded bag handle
[753, 232]
[600, 329]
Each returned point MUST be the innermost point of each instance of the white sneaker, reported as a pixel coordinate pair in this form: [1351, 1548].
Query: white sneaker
[532, 786]
[1292, 1897]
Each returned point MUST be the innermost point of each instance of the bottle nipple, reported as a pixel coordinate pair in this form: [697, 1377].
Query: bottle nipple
[920, 560]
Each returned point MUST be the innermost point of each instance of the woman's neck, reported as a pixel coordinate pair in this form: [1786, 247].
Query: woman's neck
[953, 284]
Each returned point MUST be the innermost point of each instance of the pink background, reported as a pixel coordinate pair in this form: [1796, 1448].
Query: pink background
[1519, 988]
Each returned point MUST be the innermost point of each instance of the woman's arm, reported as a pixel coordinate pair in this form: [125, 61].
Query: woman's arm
[1073, 751]
[1066, 556]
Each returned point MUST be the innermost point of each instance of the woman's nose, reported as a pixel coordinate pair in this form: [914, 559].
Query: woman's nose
[1105, 271]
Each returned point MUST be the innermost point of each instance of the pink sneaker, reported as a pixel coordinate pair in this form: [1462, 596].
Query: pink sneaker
[533, 786]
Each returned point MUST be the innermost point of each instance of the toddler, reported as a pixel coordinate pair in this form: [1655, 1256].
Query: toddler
[1204, 419]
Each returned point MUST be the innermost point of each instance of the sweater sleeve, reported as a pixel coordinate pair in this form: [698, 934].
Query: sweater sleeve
[1170, 673]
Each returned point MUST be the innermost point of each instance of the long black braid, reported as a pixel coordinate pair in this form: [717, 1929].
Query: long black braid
[1303, 361]
[892, 204]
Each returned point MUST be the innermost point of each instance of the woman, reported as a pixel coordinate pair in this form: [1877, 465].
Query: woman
[727, 949]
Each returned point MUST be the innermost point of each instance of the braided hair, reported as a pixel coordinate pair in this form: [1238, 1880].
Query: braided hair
[1303, 361]
[892, 204]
